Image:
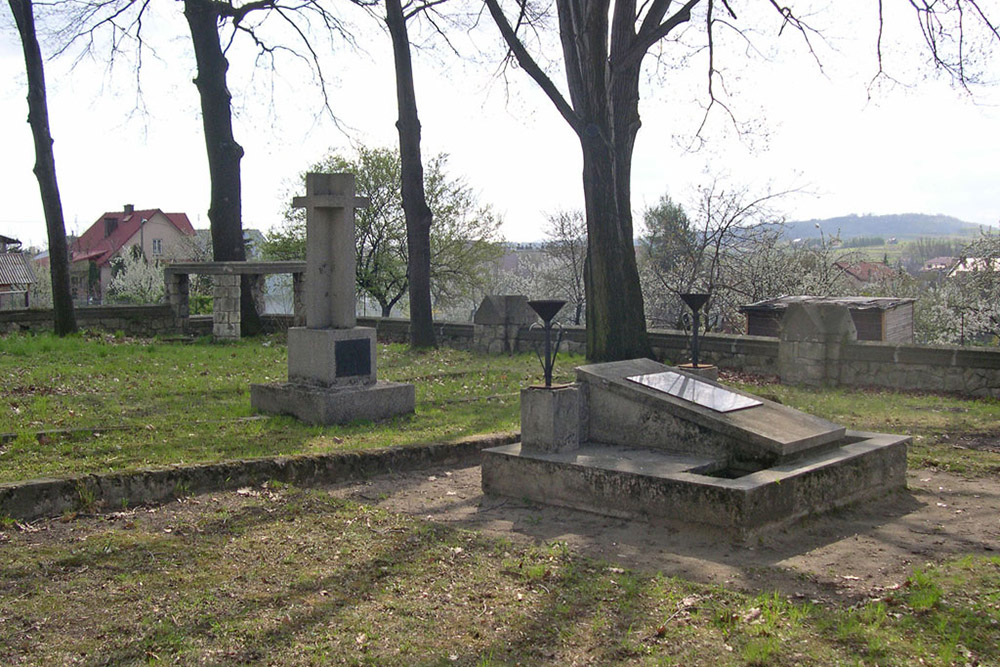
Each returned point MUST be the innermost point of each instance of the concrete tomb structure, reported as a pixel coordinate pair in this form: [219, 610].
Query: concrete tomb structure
[331, 361]
[639, 439]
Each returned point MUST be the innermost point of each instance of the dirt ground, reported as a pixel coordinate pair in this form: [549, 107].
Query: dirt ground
[844, 556]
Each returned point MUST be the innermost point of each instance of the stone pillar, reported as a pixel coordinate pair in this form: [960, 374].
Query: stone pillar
[177, 292]
[226, 307]
[811, 341]
[298, 300]
[330, 258]
[553, 419]
[497, 322]
[331, 350]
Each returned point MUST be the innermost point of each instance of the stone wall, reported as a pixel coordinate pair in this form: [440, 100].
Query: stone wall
[966, 370]
[130, 320]
[817, 348]
[751, 354]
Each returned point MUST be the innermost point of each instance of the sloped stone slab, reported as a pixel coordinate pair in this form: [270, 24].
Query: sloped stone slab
[623, 412]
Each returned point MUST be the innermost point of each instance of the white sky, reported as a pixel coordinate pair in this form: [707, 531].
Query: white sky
[924, 148]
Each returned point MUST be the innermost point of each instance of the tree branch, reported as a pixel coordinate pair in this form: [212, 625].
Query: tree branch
[529, 65]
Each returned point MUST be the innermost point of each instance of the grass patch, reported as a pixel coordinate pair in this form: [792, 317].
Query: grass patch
[953, 433]
[278, 575]
[96, 403]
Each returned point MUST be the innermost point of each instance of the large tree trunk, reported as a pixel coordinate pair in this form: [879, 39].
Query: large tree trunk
[616, 320]
[418, 214]
[45, 169]
[225, 211]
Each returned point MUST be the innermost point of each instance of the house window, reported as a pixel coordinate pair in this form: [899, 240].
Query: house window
[157, 246]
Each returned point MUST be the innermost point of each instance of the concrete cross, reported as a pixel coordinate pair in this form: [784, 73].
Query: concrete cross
[330, 255]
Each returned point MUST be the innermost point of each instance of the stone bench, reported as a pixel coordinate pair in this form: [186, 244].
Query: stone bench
[226, 290]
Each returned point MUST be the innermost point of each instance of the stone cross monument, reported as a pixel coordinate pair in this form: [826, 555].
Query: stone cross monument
[331, 361]
[330, 258]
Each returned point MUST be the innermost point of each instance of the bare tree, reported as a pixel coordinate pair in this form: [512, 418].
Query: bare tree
[204, 18]
[45, 168]
[566, 248]
[604, 43]
[728, 248]
[213, 27]
[418, 214]
[731, 247]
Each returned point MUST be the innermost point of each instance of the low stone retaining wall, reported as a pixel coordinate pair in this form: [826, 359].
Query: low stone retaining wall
[26, 501]
[751, 354]
[965, 370]
[130, 320]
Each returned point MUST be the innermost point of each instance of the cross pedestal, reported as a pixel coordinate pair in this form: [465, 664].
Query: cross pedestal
[331, 361]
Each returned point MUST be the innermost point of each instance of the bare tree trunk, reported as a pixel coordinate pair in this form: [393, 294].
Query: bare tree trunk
[225, 210]
[45, 169]
[418, 214]
[616, 321]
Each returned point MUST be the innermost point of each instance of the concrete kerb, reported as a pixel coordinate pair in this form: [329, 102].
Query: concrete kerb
[38, 498]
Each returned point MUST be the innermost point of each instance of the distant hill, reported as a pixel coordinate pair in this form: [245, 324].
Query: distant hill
[905, 227]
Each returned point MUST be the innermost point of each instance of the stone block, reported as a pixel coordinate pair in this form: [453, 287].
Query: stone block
[226, 331]
[553, 419]
[818, 322]
[332, 357]
[334, 405]
[505, 309]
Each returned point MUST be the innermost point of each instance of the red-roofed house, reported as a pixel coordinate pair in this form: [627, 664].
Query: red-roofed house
[160, 235]
[865, 273]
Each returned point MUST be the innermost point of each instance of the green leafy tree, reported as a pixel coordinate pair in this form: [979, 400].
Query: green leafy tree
[464, 236]
[669, 236]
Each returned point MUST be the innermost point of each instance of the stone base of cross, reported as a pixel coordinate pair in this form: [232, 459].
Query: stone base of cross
[331, 361]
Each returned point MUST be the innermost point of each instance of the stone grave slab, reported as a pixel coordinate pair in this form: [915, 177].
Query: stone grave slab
[621, 408]
[637, 439]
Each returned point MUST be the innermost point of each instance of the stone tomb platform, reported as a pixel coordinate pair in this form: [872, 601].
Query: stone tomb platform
[613, 445]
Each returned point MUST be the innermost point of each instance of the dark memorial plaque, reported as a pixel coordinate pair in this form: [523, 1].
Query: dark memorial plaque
[696, 391]
[353, 357]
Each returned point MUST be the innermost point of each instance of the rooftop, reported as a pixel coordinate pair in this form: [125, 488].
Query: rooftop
[14, 269]
[852, 302]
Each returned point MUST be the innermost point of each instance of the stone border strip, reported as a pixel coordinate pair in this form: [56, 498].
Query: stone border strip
[38, 498]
